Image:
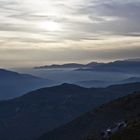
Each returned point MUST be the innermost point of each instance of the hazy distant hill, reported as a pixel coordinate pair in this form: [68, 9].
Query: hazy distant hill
[69, 65]
[14, 84]
[128, 66]
[94, 83]
[29, 116]
[94, 122]
[99, 83]
[131, 80]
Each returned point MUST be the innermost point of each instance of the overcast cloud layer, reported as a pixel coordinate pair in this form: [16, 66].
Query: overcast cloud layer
[36, 32]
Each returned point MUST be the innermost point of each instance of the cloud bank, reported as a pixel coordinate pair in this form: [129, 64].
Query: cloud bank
[46, 31]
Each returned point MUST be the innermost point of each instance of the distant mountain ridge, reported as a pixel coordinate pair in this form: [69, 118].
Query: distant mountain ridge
[13, 84]
[128, 65]
[100, 83]
[94, 83]
[69, 65]
[45, 109]
[131, 80]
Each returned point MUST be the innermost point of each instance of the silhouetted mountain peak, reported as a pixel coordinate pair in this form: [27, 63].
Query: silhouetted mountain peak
[67, 85]
[4, 72]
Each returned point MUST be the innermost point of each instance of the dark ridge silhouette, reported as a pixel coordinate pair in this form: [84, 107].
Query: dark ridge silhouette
[45, 109]
[90, 125]
[131, 80]
[127, 66]
[94, 83]
[101, 83]
[119, 66]
[70, 65]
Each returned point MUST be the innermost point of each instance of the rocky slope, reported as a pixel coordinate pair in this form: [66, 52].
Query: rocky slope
[90, 125]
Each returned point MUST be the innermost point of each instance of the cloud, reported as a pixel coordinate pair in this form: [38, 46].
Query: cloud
[92, 17]
[84, 24]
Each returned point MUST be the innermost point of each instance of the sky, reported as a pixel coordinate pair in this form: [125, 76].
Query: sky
[39, 32]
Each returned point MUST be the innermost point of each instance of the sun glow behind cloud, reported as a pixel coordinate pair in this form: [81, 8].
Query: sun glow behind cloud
[50, 26]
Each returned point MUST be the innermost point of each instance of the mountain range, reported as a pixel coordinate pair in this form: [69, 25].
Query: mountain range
[101, 83]
[29, 116]
[13, 84]
[127, 66]
[69, 65]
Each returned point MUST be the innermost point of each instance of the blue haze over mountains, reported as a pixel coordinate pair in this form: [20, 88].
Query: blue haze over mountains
[69, 69]
[91, 73]
[46, 98]
[13, 84]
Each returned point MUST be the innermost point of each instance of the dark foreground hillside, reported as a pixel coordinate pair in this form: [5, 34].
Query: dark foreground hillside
[90, 125]
[132, 132]
[40, 111]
